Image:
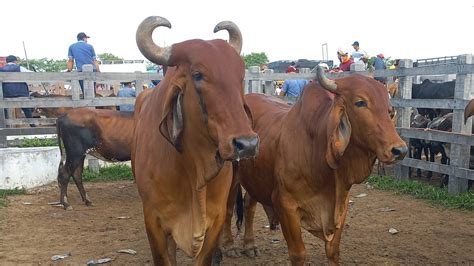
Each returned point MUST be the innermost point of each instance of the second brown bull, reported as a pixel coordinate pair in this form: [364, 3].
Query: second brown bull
[312, 153]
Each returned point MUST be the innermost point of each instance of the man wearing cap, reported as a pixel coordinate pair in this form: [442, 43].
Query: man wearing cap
[127, 90]
[16, 89]
[82, 53]
[358, 53]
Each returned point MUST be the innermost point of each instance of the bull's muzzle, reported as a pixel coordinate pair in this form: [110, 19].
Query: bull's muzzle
[399, 152]
[245, 147]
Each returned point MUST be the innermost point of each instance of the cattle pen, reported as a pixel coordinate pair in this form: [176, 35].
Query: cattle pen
[460, 138]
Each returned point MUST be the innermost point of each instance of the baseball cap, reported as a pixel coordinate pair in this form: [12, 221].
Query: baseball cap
[82, 35]
[11, 58]
[356, 43]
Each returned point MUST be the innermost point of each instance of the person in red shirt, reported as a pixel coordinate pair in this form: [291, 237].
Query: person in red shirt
[291, 68]
[345, 60]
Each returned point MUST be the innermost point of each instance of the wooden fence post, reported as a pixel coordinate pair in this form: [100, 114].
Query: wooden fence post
[460, 154]
[3, 138]
[255, 85]
[403, 114]
[89, 90]
[89, 93]
[269, 84]
[138, 84]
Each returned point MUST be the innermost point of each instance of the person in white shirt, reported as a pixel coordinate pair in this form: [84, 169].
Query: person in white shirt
[358, 53]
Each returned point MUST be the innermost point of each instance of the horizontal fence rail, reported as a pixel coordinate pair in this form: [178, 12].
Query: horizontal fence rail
[257, 81]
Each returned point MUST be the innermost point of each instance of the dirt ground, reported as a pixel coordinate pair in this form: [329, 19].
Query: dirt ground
[31, 231]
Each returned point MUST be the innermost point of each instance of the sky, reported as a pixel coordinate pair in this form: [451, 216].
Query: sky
[283, 30]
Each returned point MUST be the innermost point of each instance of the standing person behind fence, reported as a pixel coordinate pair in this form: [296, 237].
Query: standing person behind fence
[16, 89]
[293, 87]
[345, 60]
[291, 68]
[358, 53]
[127, 90]
[82, 53]
[376, 63]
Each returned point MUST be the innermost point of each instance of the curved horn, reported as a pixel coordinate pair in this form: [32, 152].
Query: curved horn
[148, 48]
[327, 84]
[235, 37]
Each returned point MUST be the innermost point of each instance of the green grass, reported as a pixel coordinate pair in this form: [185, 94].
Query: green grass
[111, 173]
[8, 192]
[419, 190]
[38, 142]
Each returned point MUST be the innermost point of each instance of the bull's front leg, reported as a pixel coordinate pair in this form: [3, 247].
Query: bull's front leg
[157, 238]
[332, 247]
[290, 221]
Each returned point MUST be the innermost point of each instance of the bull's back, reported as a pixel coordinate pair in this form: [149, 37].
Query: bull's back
[106, 133]
[257, 175]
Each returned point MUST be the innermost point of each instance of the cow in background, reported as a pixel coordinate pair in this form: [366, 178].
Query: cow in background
[104, 134]
[468, 110]
[187, 132]
[55, 112]
[417, 147]
[430, 90]
[312, 153]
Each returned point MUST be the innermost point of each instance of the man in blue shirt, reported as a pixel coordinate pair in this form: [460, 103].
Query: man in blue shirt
[127, 90]
[293, 87]
[82, 53]
[16, 89]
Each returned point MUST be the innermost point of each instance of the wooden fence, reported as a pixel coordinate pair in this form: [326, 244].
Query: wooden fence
[263, 82]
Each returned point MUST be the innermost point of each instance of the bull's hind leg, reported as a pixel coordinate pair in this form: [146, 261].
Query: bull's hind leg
[77, 176]
[250, 248]
[226, 242]
[64, 172]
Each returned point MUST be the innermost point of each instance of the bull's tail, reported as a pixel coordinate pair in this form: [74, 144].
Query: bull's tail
[60, 141]
[239, 208]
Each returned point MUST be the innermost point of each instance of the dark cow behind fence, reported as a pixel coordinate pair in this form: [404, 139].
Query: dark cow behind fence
[313, 152]
[104, 134]
[430, 90]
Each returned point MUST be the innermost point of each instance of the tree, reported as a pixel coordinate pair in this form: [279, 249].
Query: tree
[45, 65]
[255, 59]
[108, 57]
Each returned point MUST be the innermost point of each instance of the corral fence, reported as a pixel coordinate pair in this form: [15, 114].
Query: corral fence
[264, 82]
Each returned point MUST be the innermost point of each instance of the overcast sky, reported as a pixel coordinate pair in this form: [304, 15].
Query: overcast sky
[282, 29]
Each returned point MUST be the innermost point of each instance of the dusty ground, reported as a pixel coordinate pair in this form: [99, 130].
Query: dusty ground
[33, 233]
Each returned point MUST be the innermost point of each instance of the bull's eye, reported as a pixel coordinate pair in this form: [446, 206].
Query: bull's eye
[197, 76]
[361, 104]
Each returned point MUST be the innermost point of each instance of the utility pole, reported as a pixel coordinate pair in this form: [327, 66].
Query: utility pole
[26, 56]
[324, 48]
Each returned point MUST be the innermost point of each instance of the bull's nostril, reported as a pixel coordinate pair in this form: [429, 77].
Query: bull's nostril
[399, 152]
[239, 144]
[246, 147]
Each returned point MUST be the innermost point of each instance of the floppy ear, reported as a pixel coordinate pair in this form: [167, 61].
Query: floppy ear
[249, 114]
[172, 122]
[339, 133]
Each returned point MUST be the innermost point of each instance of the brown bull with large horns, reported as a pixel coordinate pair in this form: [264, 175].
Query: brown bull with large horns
[187, 132]
[312, 153]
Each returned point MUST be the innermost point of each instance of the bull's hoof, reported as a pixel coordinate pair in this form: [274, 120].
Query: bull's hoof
[252, 252]
[67, 207]
[88, 203]
[233, 252]
[217, 257]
